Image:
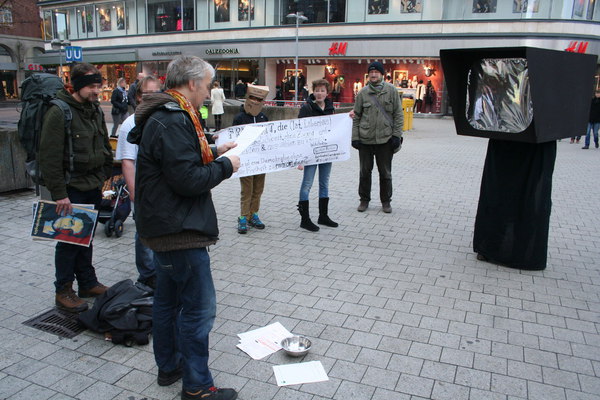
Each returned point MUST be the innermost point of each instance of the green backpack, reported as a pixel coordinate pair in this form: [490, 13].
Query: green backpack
[38, 94]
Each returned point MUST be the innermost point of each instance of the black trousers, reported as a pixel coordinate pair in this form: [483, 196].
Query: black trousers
[74, 261]
[382, 154]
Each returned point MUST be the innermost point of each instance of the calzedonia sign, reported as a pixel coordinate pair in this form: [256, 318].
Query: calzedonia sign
[222, 51]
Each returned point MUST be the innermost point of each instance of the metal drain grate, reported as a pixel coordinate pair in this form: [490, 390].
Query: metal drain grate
[57, 322]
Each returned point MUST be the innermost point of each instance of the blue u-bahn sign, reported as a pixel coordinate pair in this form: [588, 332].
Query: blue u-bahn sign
[73, 53]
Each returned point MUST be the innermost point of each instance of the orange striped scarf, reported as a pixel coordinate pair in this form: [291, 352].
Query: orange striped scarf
[206, 152]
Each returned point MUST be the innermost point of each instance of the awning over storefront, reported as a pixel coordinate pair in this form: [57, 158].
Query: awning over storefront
[8, 66]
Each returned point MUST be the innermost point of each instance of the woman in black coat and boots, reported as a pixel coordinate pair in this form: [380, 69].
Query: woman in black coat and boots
[316, 105]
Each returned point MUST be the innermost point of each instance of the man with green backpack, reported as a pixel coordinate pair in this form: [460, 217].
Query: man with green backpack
[74, 160]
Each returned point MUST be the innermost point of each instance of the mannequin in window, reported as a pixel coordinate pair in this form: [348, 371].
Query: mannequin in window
[356, 87]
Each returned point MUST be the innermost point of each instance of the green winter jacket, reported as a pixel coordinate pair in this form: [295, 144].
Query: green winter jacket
[369, 125]
[91, 148]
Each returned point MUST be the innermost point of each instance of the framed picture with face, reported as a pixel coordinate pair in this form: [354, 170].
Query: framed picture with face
[399, 76]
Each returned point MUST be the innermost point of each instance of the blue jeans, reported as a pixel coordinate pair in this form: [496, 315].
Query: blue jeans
[309, 177]
[72, 261]
[144, 260]
[183, 314]
[592, 126]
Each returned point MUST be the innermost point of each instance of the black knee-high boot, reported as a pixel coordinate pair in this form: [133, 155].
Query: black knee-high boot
[323, 211]
[306, 223]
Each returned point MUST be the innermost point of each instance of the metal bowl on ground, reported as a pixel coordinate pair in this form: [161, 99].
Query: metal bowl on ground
[296, 346]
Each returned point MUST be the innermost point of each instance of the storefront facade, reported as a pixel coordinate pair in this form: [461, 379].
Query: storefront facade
[258, 42]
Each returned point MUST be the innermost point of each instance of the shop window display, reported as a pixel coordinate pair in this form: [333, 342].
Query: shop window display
[317, 11]
[167, 16]
[410, 6]
[379, 6]
[222, 10]
[484, 6]
[245, 9]
[56, 24]
[85, 20]
[120, 11]
[48, 28]
[104, 17]
[526, 6]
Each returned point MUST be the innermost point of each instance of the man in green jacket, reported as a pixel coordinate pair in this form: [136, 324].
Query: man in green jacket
[377, 134]
[92, 164]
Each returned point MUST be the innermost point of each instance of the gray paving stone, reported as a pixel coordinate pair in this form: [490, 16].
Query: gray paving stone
[73, 384]
[590, 384]
[383, 394]
[33, 392]
[351, 390]
[449, 391]
[473, 378]
[136, 380]
[10, 385]
[364, 339]
[348, 371]
[509, 386]
[439, 371]
[373, 358]
[256, 390]
[539, 391]
[100, 391]
[25, 368]
[415, 385]
[575, 364]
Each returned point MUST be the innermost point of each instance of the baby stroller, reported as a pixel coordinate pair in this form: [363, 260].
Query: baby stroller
[115, 205]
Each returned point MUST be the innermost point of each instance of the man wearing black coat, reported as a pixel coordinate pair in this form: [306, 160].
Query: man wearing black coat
[175, 217]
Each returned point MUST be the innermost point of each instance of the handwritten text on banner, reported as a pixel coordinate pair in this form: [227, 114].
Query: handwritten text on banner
[289, 143]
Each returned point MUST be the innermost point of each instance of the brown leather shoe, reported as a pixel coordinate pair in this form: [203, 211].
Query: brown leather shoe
[386, 207]
[67, 300]
[93, 291]
[362, 206]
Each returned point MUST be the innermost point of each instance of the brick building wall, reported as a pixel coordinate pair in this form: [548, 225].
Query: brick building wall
[25, 15]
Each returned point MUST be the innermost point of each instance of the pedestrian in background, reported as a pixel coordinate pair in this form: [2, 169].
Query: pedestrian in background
[594, 122]
[118, 99]
[217, 98]
[377, 134]
[240, 90]
[132, 92]
[317, 104]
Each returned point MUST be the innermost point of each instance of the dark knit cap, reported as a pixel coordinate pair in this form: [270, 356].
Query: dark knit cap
[376, 65]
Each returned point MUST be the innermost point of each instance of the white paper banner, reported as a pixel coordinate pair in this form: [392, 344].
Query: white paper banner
[289, 143]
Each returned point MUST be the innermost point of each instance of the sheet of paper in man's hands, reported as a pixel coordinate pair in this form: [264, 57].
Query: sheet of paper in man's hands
[248, 136]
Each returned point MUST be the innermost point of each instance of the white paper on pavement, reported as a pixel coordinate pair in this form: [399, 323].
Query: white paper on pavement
[264, 341]
[295, 374]
[247, 136]
[288, 143]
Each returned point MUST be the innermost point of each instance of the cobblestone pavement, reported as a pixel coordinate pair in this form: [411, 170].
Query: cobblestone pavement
[396, 304]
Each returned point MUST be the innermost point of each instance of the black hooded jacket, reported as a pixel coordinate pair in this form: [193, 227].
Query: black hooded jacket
[311, 109]
[172, 182]
[243, 118]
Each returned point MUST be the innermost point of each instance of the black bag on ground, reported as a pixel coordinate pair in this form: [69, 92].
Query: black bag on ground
[124, 311]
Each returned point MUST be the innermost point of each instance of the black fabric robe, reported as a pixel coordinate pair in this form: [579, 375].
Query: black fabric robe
[513, 215]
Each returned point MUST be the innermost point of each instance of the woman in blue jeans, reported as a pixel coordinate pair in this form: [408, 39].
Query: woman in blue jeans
[316, 105]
